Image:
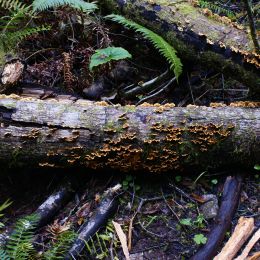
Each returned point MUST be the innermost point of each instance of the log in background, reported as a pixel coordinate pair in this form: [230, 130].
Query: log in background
[199, 36]
[153, 138]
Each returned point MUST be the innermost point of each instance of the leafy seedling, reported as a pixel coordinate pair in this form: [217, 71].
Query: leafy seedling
[178, 178]
[214, 181]
[106, 55]
[200, 239]
[257, 167]
[186, 222]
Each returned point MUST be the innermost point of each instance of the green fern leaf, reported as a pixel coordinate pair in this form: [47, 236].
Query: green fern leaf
[5, 205]
[19, 245]
[4, 255]
[12, 5]
[41, 5]
[10, 39]
[61, 246]
[159, 43]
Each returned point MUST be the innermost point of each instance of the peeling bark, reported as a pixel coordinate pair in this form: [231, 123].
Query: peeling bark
[198, 35]
[148, 137]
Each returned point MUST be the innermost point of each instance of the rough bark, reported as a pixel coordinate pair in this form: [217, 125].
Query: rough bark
[147, 137]
[198, 35]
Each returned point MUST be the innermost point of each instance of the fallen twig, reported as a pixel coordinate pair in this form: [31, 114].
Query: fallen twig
[53, 204]
[242, 231]
[230, 198]
[47, 210]
[249, 246]
[103, 212]
[132, 91]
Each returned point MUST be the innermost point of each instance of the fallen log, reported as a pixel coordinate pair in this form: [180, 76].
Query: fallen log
[198, 35]
[156, 138]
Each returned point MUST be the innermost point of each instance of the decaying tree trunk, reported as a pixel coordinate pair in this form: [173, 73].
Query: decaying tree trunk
[147, 137]
[198, 35]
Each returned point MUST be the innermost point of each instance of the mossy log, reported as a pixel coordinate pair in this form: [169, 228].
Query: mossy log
[198, 35]
[154, 138]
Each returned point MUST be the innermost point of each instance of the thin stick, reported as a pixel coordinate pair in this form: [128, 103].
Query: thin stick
[252, 25]
[249, 246]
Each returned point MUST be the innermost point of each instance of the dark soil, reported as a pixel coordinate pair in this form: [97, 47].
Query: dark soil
[157, 232]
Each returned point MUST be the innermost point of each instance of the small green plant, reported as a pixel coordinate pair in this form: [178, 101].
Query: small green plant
[128, 183]
[186, 222]
[197, 223]
[106, 55]
[257, 167]
[200, 221]
[159, 43]
[178, 178]
[214, 181]
[200, 239]
[99, 245]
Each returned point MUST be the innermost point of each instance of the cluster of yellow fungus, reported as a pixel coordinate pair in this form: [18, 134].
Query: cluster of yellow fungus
[249, 104]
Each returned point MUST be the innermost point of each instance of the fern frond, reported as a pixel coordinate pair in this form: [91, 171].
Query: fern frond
[15, 20]
[19, 244]
[10, 39]
[41, 5]
[4, 255]
[217, 9]
[159, 43]
[5, 205]
[22, 34]
[61, 246]
[12, 5]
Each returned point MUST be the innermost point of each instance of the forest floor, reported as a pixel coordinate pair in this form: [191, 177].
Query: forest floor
[163, 228]
[171, 223]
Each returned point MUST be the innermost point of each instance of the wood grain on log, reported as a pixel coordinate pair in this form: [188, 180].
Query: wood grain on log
[249, 245]
[198, 35]
[242, 232]
[147, 137]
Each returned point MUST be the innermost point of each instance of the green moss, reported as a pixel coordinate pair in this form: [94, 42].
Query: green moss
[187, 9]
[129, 108]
